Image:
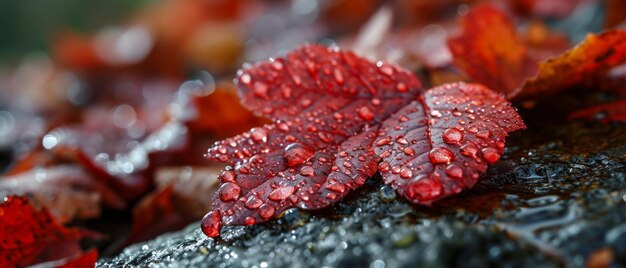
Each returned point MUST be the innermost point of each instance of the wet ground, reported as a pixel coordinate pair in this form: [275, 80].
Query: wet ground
[557, 198]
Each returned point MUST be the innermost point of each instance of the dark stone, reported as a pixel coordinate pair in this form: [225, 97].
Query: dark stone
[555, 199]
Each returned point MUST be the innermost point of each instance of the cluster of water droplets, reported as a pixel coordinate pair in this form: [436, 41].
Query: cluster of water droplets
[461, 128]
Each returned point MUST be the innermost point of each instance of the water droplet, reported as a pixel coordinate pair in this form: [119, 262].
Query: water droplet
[384, 166]
[306, 102]
[297, 153]
[500, 144]
[490, 154]
[227, 176]
[395, 169]
[246, 79]
[281, 193]
[383, 141]
[253, 202]
[243, 170]
[440, 155]
[452, 136]
[336, 187]
[285, 91]
[259, 134]
[365, 113]
[406, 173]
[250, 220]
[376, 101]
[266, 211]
[469, 149]
[409, 151]
[277, 65]
[423, 189]
[454, 171]
[435, 113]
[283, 127]
[211, 224]
[307, 171]
[401, 140]
[338, 76]
[401, 87]
[229, 192]
[386, 69]
[260, 89]
[324, 137]
[483, 134]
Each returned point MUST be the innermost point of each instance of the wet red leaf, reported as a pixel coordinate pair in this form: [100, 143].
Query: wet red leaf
[29, 236]
[442, 142]
[328, 107]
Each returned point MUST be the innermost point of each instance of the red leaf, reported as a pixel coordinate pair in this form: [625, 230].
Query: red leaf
[29, 236]
[490, 51]
[327, 106]
[441, 143]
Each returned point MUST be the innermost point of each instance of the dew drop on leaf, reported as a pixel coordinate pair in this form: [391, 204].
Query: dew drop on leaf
[297, 153]
[490, 154]
[229, 192]
[281, 193]
[266, 211]
[440, 155]
[211, 224]
[452, 136]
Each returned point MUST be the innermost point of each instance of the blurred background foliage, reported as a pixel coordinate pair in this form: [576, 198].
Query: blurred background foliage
[29, 25]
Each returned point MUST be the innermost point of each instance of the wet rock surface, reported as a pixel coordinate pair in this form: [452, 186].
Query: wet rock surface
[557, 198]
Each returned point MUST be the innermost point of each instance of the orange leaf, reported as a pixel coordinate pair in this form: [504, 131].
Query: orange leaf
[591, 60]
[490, 51]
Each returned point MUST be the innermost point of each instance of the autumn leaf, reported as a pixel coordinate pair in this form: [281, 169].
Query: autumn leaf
[31, 236]
[442, 142]
[334, 116]
[590, 61]
[490, 51]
